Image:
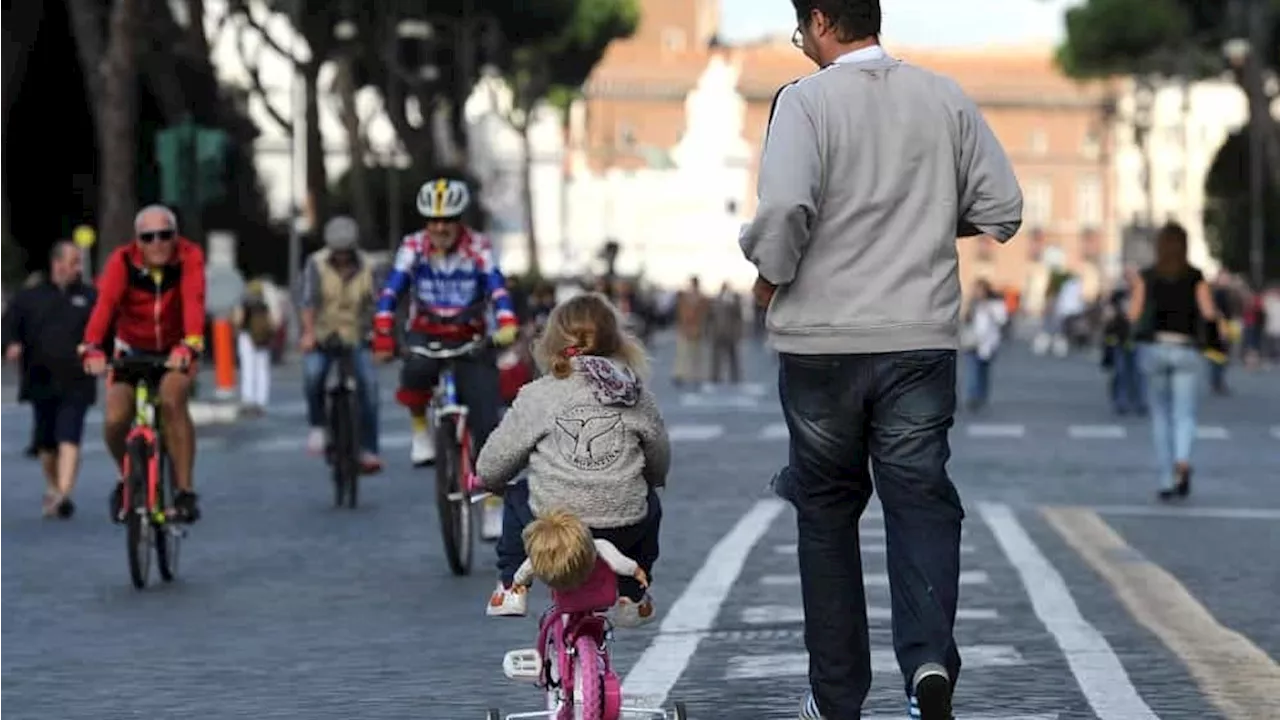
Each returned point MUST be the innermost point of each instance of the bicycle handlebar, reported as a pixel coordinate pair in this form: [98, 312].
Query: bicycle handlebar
[140, 362]
[438, 351]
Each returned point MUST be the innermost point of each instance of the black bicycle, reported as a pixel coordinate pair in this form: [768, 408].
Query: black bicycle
[343, 448]
[150, 521]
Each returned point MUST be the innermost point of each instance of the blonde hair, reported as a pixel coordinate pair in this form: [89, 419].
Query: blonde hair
[587, 324]
[561, 550]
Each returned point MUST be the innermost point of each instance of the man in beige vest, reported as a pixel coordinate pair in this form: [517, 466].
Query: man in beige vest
[338, 296]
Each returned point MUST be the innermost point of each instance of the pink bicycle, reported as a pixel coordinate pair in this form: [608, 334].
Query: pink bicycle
[571, 662]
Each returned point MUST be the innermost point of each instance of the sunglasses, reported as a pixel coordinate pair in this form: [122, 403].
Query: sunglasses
[147, 238]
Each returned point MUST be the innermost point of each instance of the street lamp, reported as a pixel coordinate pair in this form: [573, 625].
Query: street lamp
[1239, 52]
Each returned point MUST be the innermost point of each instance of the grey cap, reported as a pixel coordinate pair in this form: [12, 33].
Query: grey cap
[341, 233]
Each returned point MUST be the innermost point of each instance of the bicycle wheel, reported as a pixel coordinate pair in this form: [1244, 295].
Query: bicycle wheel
[349, 450]
[588, 682]
[338, 422]
[166, 540]
[137, 521]
[455, 515]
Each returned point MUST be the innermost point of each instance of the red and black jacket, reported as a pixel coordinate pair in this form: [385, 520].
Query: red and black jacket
[154, 309]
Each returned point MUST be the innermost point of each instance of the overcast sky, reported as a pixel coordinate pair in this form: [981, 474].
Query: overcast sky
[921, 23]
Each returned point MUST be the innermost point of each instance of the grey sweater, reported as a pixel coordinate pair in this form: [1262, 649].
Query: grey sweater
[594, 444]
[871, 170]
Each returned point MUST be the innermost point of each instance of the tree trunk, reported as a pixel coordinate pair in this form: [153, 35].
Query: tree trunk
[117, 126]
[317, 175]
[358, 170]
[531, 230]
[86, 28]
[19, 33]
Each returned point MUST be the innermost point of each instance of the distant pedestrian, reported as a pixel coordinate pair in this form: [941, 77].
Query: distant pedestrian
[1170, 308]
[984, 323]
[42, 329]
[725, 330]
[871, 168]
[257, 331]
[1126, 383]
[692, 308]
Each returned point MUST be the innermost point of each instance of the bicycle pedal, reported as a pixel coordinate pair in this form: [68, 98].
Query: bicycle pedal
[523, 664]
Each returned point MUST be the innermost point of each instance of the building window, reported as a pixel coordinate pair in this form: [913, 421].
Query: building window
[1039, 142]
[1091, 147]
[673, 39]
[1175, 181]
[1089, 202]
[731, 207]
[626, 135]
[1038, 203]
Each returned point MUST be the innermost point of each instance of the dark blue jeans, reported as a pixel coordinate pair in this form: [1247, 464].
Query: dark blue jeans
[315, 368]
[1128, 385]
[978, 389]
[849, 416]
[638, 542]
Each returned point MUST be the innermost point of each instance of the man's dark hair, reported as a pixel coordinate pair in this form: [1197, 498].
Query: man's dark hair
[854, 19]
[58, 250]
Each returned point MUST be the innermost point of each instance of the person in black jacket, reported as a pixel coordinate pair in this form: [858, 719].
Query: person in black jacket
[42, 328]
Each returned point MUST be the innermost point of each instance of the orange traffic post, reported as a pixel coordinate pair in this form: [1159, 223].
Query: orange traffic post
[224, 365]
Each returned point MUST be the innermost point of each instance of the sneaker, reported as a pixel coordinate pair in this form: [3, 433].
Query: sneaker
[65, 509]
[809, 708]
[508, 601]
[370, 464]
[116, 503]
[931, 699]
[422, 451]
[631, 614]
[187, 507]
[316, 441]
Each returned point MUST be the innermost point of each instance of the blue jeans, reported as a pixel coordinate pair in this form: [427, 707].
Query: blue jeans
[978, 389]
[850, 415]
[1173, 385]
[1128, 385]
[316, 365]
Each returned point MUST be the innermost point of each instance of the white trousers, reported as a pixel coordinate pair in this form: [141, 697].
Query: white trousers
[255, 372]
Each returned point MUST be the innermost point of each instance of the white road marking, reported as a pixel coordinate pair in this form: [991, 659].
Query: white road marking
[775, 431]
[967, 577]
[718, 401]
[1096, 432]
[996, 431]
[693, 613]
[775, 614]
[694, 433]
[1099, 673]
[759, 667]
[1223, 513]
[1212, 432]
[867, 548]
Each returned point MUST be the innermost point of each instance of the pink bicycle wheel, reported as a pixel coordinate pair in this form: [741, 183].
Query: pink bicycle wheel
[588, 680]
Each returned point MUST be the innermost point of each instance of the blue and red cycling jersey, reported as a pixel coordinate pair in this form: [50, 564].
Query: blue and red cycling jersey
[444, 285]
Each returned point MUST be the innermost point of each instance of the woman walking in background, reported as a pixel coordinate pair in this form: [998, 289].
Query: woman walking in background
[984, 329]
[1170, 307]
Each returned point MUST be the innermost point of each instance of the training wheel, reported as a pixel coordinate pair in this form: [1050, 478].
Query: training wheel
[679, 712]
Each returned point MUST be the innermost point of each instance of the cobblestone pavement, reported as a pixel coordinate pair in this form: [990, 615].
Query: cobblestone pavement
[1082, 597]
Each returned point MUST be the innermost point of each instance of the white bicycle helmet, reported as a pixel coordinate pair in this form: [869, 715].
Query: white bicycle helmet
[443, 199]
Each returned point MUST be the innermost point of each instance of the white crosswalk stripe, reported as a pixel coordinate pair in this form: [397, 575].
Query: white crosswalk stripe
[996, 431]
[867, 549]
[778, 665]
[694, 433]
[1212, 432]
[967, 577]
[775, 614]
[1097, 432]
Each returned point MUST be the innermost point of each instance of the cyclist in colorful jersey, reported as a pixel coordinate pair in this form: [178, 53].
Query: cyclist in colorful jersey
[153, 290]
[454, 277]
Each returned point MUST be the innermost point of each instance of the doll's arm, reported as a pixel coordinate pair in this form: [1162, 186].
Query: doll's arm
[524, 575]
[621, 564]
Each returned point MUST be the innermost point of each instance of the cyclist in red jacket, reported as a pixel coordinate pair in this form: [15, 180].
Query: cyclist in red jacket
[153, 289]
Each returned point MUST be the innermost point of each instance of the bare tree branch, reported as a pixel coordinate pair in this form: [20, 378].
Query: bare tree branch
[253, 69]
[245, 12]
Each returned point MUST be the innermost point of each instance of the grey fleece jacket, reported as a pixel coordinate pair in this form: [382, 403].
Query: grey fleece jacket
[594, 444]
[871, 170]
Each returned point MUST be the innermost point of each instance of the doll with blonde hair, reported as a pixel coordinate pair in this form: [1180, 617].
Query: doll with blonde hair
[562, 554]
[593, 441]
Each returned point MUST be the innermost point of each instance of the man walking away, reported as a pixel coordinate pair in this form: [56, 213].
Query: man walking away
[871, 169]
[42, 328]
[257, 330]
[726, 334]
[691, 325]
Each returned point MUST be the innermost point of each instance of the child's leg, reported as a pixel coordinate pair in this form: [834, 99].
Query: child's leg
[638, 542]
[515, 516]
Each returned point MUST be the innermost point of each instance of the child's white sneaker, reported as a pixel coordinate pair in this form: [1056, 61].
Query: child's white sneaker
[630, 614]
[508, 601]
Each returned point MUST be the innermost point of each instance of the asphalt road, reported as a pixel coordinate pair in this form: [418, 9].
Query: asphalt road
[1082, 596]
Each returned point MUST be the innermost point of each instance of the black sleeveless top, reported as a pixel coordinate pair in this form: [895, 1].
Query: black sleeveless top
[1170, 305]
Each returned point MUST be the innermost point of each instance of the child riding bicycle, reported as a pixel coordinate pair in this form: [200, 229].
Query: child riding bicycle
[594, 444]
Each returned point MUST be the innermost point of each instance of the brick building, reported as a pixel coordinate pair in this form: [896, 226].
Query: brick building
[1056, 131]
